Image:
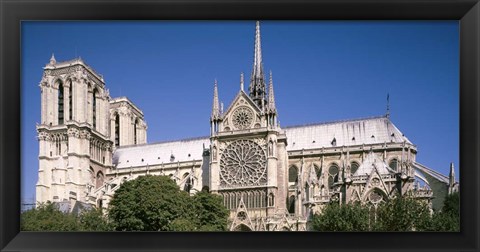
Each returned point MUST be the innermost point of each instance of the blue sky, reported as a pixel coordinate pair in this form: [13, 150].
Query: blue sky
[322, 71]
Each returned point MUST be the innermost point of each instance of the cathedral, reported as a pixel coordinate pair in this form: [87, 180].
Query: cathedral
[270, 177]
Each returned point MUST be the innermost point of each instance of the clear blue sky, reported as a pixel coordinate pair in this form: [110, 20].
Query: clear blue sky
[322, 71]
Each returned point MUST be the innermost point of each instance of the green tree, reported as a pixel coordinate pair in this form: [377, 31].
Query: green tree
[93, 220]
[346, 217]
[210, 213]
[403, 214]
[448, 219]
[47, 217]
[149, 203]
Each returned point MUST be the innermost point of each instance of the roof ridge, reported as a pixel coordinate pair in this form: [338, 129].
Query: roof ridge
[162, 142]
[335, 121]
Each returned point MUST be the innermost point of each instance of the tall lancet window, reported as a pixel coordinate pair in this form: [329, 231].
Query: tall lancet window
[117, 130]
[94, 108]
[60, 103]
[135, 131]
[70, 101]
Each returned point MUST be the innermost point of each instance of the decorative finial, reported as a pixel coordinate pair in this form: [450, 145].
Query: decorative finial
[221, 108]
[271, 96]
[241, 81]
[53, 61]
[452, 174]
[215, 105]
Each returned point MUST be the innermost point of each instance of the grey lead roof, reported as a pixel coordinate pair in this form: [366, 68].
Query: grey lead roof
[373, 130]
[346, 133]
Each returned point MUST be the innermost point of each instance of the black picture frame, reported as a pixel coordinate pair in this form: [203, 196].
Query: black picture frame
[13, 12]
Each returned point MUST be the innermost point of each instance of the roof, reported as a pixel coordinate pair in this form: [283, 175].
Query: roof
[299, 137]
[372, 130]
[162, 152]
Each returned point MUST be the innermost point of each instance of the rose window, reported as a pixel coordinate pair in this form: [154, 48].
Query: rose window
[243, 163]
[242, 118]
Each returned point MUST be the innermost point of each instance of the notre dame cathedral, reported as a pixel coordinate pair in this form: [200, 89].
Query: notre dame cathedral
[270, 178]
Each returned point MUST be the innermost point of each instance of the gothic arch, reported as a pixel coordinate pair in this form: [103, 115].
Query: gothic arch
[292, 174]
[99, 179]
[94, 107]
[291, 204]
[56, 81]
[354, 165]
[333, 170]
[243, 228]
[116, 128]
[393, 164]
[135, 132]
[92, 175]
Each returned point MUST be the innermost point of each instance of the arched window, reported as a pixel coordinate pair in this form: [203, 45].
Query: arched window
[99, 179]
[318, 171]
[60, 103]
[135, 131]
[354, 167]
[291, 204]
[292, 174]
[393, 164]
[117, 130]
[94, 108]
[70, 101]
[92, 175]
[271, 200]
[332, 174]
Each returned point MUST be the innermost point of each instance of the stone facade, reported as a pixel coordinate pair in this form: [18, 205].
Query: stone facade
[271, 178]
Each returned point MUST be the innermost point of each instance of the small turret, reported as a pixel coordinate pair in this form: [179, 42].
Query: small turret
[53, 61]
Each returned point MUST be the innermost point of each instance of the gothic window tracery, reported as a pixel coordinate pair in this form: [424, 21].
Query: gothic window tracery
[243, 163]
[332, 174]
[393, 164]
[242, 117]
[354, 167]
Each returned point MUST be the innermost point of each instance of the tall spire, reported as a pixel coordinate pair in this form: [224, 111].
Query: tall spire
[215, 106]
[271, 96]
[257, 82]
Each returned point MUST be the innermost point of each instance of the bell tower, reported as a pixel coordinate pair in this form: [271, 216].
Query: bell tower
[248, 152]
[74, 145]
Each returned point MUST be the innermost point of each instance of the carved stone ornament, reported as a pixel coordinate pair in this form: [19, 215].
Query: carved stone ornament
[72, 132]
[43, 136]
[242, 117]
[243, 163]
[85, 134]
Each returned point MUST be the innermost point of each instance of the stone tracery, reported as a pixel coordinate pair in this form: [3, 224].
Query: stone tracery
[243, 163]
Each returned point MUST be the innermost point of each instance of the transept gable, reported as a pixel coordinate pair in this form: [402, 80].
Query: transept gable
[375, 181]
[242, 113]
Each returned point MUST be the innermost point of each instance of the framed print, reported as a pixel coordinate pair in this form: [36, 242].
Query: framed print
[128, 120]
